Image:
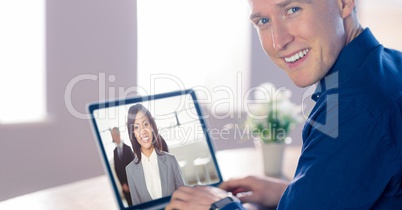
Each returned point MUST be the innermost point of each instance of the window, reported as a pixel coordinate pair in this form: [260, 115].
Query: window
[184, 44]
[22, 53]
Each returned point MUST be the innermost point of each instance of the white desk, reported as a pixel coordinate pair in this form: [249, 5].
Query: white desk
[96, 193]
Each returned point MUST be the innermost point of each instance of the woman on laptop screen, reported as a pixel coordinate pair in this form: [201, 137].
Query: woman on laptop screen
[153, 173]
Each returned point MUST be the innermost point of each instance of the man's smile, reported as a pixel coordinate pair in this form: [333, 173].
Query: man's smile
[295, 57]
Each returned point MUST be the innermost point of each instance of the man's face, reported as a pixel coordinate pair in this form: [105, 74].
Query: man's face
[302, 37]
[116, 137]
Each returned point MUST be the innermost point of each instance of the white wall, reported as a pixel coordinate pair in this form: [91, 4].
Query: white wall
[382, 17]
[84, 37]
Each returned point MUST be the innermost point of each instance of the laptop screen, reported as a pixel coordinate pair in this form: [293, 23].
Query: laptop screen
[152, 145]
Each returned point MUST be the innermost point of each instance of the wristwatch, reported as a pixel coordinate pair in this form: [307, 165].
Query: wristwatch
[229, 203]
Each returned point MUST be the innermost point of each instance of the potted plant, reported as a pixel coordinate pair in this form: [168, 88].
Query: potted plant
[270, 120]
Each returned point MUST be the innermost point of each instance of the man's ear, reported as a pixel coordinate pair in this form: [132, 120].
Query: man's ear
[347, 7]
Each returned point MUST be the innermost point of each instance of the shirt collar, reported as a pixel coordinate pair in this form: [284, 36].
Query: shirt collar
[121, 143]
[151, 158]
[349, 60]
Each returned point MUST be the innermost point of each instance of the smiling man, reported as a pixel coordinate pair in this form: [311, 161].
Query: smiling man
[304, 38]
[352, 141]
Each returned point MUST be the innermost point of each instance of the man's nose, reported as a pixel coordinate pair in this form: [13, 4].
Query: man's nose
[281, 36]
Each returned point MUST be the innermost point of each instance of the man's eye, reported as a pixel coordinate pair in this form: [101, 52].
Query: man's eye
[262, 21]
[135, 127]
[293, 10]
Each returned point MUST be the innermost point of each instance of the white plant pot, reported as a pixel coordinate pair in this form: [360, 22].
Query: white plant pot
[272, 157]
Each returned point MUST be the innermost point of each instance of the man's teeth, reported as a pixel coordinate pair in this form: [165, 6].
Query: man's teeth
[296, 56]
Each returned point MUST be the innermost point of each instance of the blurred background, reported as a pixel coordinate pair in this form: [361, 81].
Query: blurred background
[57, 56]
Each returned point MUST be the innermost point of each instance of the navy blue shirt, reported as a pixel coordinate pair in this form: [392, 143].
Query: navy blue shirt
[352, 141]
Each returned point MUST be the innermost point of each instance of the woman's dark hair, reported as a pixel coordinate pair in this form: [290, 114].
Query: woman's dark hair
[157, 140]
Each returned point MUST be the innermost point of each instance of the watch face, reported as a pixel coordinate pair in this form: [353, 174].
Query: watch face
[221, 203]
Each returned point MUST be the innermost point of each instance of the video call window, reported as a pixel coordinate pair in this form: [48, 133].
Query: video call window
[179, 125]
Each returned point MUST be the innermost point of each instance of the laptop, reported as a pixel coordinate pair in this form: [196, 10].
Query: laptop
[181, 125]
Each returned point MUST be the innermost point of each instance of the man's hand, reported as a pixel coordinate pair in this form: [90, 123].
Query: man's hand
[125, 188]
[195, 198]
[265, 191]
